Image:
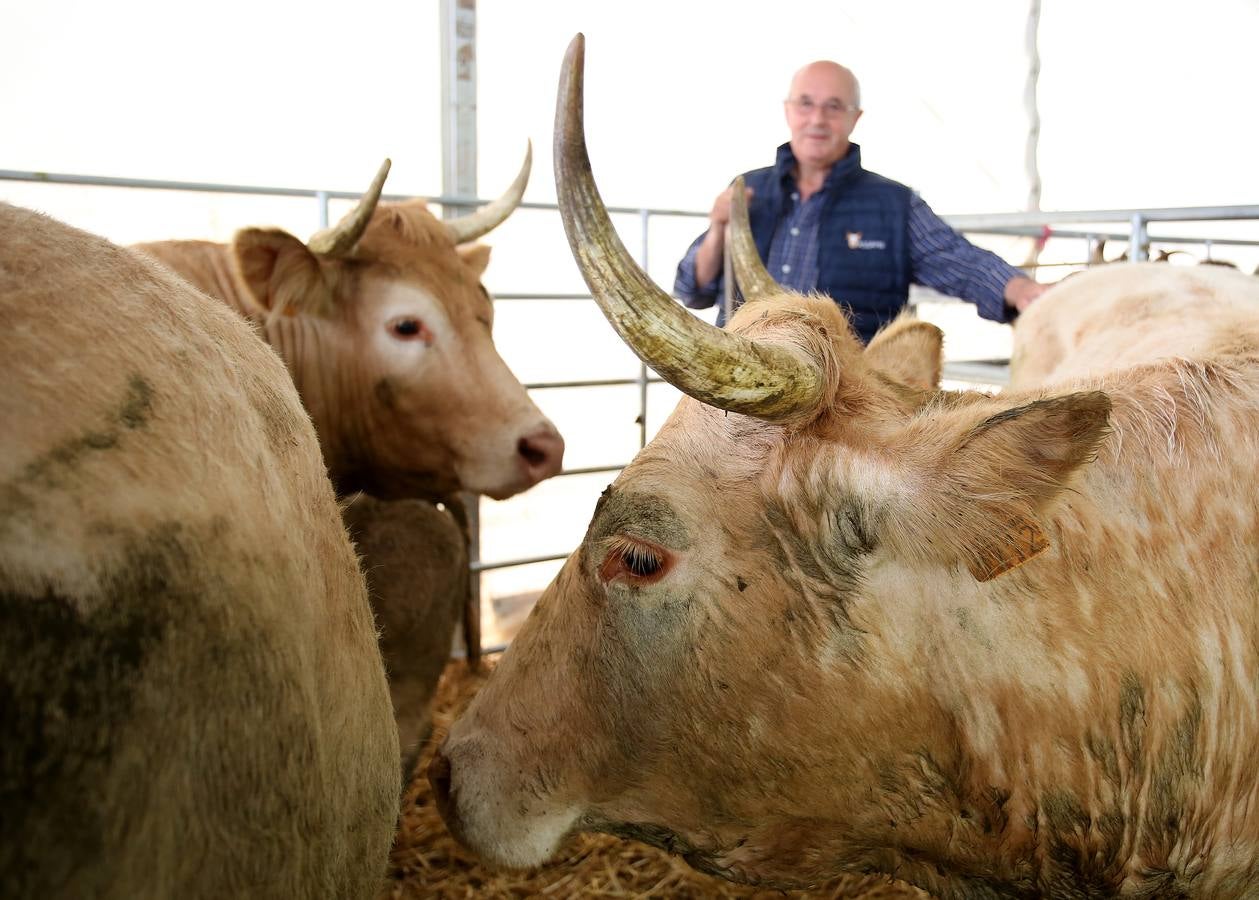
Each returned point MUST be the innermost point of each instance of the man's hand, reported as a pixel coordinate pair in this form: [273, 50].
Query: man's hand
[1021, 291]
[720, 214]
[711, 250]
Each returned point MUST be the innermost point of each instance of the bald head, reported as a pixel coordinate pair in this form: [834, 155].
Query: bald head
[822, 108]
[824, 74]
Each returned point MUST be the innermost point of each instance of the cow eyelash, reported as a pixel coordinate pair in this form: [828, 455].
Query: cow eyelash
[636, 561]
[640, 562]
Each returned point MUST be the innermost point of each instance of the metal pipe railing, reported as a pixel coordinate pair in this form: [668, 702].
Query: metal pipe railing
[1025, 223]
[984, 223]
[601, 382]
[1072, 234]
[978, 223]
[478, 566]
[206, 187]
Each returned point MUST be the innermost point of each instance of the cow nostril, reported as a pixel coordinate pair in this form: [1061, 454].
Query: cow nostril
[439, 779]
[542, 452]
[533, 455]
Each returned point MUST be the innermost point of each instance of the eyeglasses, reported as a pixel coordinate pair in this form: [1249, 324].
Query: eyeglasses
[831, 109]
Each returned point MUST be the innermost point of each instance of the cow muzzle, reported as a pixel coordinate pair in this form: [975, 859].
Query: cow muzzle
[504, 821]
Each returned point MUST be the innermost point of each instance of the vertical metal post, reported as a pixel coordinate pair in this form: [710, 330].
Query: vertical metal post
[1031, 107]
[459, 147]
[1031, 148]
[459, 164]
[1138, 242]
[1094, 250]
[321, 198]
[644, 218]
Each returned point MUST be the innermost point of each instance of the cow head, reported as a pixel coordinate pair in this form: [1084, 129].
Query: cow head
[739, 662]
[385, 325]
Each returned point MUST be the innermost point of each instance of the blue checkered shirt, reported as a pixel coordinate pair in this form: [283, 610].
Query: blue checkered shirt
[940, 258]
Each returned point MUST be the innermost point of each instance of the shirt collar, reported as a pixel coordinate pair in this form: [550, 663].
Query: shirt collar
[848, 167]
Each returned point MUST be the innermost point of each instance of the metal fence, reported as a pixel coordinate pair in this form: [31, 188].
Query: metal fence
[1133, 228]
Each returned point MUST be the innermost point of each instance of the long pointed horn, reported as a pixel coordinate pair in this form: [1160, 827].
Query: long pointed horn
[488, 217]
[341, 238]
[754, 279]
[717, 367]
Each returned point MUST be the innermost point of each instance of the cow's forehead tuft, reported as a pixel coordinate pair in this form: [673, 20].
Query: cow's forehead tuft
[407, 237]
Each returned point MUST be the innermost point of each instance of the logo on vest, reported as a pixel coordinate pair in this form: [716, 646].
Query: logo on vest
[855, 242]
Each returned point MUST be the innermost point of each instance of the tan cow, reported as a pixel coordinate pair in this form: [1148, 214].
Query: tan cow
[192, 702]
[385, 327]
[826, 622]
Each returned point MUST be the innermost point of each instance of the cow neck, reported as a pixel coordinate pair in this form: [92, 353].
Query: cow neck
[219, 279]
[305, 346]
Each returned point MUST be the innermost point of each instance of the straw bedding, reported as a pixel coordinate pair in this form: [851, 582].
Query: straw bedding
[426, 861]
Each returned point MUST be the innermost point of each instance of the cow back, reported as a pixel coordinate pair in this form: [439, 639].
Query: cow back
[1116, 317]
[193, 701]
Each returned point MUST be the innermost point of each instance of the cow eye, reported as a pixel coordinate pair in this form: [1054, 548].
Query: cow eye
[635, 562]
[409, 328]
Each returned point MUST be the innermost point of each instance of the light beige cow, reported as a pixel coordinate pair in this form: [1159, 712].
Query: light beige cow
[385, 327]
[192, 701]
[826, 622]
[1113, 317]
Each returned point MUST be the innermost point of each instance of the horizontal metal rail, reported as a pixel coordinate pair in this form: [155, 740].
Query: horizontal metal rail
[981, 371]
[987, 223]
[978, 371]
[604, 382]
[593, 470]
[203, 187]
[511, 563]
[984, 222]
[1029, 231]
[498, 296]
[190, 186]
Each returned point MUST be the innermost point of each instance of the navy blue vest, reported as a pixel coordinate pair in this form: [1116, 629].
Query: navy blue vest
[863, 235]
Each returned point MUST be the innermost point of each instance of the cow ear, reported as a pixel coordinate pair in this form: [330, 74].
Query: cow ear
[283, 277]
[477, 256]
[988, 494]
[909, 350]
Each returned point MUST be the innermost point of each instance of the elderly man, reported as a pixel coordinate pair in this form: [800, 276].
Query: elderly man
[823, 223]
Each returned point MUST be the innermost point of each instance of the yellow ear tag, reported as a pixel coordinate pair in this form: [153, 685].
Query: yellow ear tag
[1023, 540]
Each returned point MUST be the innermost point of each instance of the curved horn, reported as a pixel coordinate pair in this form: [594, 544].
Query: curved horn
[488, 217]
[749, 271]
[341, 238]
[717, 367]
